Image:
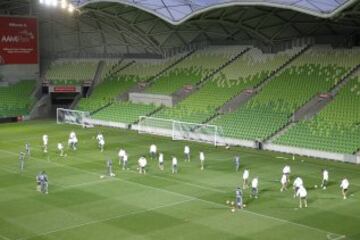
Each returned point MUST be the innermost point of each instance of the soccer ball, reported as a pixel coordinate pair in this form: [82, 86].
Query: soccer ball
[233, 210]
[244, 205]
[102, 176]
[227, 202]
[315, 186]
[112, 175]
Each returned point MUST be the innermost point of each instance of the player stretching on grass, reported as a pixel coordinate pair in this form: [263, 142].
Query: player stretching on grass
[174, 165]
[237, 163]
[121, 155]
[284, 183]
[202, 160]
[27, 150]
[161, 161]
[153, 151]
[344, 187]
[44, 183]
[125, 162]
[21, 161]
[287, 172]
[60, 148]
[239, 198]
[72, 142]
[246, 175]
[45, 139]
[298, 182]
[302, 195]
[142, 165]
[187, 153]
[255, 187]
[325, 178]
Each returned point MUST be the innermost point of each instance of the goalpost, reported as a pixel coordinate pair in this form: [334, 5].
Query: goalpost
[178, 130]
[75, 117]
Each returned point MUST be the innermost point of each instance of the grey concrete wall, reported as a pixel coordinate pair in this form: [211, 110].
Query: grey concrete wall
[148, 98]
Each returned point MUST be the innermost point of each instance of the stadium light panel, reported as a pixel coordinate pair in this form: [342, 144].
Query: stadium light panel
[48, 2]
[71, 8]
[54, 3]
[41, 1]
[63, 4]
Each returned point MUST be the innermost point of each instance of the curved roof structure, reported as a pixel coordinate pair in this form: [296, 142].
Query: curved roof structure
[178, 11]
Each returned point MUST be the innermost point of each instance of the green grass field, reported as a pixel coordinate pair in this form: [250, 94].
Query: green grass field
[159, 205]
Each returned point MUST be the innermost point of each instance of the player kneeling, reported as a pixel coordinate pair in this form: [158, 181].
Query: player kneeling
[302, 195]
[142, 165]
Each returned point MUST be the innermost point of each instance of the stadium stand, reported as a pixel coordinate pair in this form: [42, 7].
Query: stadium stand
[116, 83]
[336, 128]
[16, 99]
[317, 70]
[71, 72]
[194, 68]
[124, 112]
[246, 72]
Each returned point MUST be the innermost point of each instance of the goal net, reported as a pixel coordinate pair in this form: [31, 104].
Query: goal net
[178, 130]
[75, 117]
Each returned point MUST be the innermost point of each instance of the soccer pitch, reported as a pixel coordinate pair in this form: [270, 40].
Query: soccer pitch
[160, 205]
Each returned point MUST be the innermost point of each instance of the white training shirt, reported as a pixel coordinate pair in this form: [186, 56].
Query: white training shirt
[301, 192]
[45, 139]
[298, 182]
[202, 156]
[344, 184]
[283, 179]
[174, 161]
[255, 183]
[121, 153]
[153, 148]
[142, 162]
[287, 170]
[186, 149]
[60, 146]
[72, 135]
[326, 175]
[99, 137]
[246, 174]
[161, 158]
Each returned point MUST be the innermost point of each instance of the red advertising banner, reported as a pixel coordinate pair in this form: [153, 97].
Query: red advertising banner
[18, 40]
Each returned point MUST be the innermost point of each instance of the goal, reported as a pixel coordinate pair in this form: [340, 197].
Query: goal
[179, 130]
[75, 117]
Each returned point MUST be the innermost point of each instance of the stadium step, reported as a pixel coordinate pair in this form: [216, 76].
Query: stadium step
[41, 108]
[312, 107]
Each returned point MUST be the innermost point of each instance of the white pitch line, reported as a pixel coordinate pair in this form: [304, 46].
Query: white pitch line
[184, 195]
[108, 219]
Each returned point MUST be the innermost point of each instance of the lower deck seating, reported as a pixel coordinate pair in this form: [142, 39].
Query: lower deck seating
[124, 112]
[16, 99]
[336, 128]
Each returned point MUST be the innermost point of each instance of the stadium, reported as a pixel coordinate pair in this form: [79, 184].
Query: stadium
[180, 119]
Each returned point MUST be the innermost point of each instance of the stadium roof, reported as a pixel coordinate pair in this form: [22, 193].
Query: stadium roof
[178, 11]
